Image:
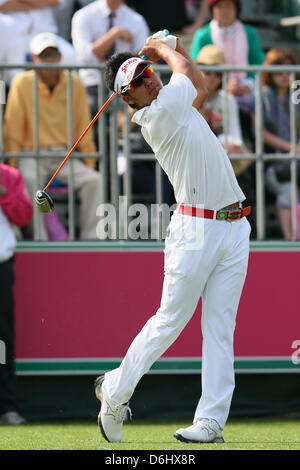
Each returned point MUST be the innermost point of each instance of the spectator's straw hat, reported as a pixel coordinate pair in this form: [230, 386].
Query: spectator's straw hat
[211, 55]
[42, 41]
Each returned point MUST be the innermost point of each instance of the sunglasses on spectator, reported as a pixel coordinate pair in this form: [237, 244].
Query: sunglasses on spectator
[137, 81]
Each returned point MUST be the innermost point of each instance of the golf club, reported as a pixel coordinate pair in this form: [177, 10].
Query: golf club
[42, 198]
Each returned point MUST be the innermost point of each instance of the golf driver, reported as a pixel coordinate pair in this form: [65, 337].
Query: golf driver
[42, 198]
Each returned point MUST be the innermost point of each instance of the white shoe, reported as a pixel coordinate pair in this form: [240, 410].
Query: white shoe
[111, 415]
[204, 430]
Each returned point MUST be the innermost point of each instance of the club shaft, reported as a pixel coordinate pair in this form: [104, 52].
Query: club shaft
[80, 138]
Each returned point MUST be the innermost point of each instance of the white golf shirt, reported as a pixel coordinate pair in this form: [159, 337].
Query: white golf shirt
[91, 23]
[186, 148]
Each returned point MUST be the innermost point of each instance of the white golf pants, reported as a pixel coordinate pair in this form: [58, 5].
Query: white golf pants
[208, 259]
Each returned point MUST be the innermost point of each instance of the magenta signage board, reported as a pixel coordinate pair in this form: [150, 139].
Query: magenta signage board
[78, 310]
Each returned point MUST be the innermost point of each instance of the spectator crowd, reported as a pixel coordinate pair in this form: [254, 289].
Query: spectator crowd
[86, 33]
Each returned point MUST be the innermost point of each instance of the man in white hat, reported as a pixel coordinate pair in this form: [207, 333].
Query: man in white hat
[53, 130]
[207, 248]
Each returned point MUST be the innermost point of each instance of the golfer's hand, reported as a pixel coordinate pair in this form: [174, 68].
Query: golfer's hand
[169, 39]
[152, 49]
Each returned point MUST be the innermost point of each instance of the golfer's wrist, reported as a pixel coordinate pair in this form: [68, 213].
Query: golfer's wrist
[164, 51]
[179, 47]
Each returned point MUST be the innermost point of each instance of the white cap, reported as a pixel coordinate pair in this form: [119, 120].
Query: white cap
[126, 72]
[43, 40]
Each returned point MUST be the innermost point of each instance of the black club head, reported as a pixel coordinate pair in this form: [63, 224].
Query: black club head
[44, 201]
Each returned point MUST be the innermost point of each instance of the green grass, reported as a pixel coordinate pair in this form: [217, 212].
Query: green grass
[239, 434]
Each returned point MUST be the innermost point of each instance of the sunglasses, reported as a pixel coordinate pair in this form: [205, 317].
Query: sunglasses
[137, 81]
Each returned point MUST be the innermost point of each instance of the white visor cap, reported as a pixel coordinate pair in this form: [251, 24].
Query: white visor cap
[126, 72]
[42, 41]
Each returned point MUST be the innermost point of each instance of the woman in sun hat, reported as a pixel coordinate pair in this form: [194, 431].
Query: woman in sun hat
[220, 109]
[242, 47]
[239, 41]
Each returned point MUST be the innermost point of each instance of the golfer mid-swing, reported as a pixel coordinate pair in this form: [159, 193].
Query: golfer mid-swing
[207, 247]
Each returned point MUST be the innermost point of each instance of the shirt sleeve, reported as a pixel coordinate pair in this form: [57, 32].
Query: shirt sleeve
[14, 55]
[82, 39]
[177, 97]
[256, 53]
[201, 38]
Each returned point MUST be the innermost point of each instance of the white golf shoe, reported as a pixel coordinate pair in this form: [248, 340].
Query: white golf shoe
[111, 415]
[203, 430]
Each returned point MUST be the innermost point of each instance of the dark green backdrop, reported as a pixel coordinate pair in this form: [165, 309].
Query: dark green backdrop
[156, 396]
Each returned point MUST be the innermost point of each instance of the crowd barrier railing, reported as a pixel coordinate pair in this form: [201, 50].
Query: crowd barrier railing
[110, 139]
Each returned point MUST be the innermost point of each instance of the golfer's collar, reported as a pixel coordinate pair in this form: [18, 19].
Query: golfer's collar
[139, 114]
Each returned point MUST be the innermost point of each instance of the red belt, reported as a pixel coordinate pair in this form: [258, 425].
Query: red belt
[236, 213]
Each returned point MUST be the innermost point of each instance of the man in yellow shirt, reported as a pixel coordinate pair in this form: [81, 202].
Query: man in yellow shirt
[53, 130]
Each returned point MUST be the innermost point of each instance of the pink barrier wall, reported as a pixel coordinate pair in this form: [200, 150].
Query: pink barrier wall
[73, 304]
